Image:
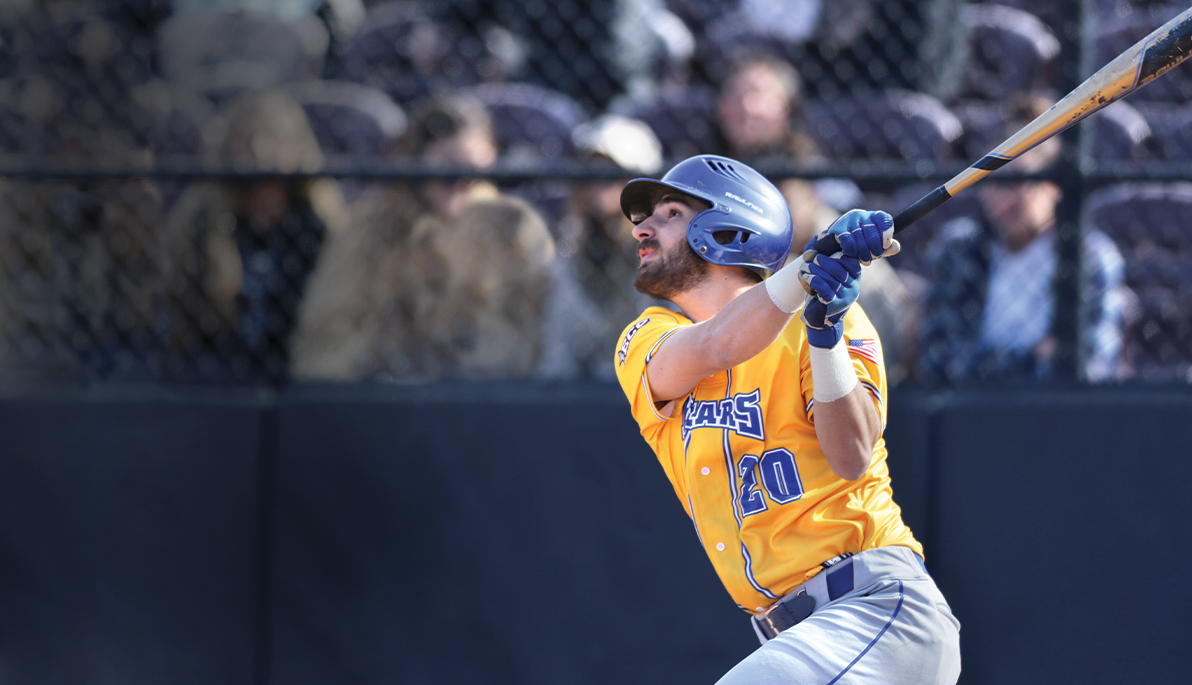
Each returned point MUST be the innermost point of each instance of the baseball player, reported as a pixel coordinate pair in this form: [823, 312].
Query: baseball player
[769, 428]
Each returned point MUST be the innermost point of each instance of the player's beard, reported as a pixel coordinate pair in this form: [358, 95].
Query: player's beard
[671, 272]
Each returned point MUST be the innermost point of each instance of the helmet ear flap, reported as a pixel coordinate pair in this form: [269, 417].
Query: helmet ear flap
[722, 238]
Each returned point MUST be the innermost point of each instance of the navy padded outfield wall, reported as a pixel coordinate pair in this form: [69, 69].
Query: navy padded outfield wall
[525, 534]
[129, 538]
[1061, 534]
[526, 537]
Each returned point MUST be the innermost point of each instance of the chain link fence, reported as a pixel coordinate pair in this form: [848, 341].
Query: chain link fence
[261, 191]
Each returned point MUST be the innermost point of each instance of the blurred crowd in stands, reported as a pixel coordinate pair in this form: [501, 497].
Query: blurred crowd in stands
[165, 215]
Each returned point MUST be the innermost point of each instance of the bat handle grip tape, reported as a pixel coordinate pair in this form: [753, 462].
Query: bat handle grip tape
[920, 209]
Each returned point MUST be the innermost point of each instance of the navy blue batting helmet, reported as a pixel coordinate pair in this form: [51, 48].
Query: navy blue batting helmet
[748, 225]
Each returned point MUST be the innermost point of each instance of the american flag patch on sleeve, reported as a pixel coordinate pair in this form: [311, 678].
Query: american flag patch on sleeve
[864, 347]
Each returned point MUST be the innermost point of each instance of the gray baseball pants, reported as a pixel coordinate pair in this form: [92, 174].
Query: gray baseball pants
[893, 628]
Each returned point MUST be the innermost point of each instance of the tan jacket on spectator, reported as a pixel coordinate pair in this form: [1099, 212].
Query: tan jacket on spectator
[407, 295]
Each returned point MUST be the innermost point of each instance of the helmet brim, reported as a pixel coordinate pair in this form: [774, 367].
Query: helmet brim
[641, 194]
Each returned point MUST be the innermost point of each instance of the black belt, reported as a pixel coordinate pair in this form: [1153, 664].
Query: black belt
[794, 608]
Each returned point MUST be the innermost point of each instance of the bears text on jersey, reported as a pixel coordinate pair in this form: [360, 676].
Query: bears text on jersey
[740, 413]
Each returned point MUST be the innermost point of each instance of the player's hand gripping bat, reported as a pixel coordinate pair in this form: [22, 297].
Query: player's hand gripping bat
[1149, 59]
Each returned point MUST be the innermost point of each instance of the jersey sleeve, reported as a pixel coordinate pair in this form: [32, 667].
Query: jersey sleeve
[637, 344]
[865, 351]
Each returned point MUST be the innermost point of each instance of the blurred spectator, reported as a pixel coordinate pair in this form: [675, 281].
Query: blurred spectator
[222, 54]
[990, 310]
[759, 112]
[591, 51]
[289, 10]
[341, 17]
[848, 47]
[598, 251]
[447, 279]
[238, 254]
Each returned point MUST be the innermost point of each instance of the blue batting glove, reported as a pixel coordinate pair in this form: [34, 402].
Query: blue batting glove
[859, 233]
[836, 283]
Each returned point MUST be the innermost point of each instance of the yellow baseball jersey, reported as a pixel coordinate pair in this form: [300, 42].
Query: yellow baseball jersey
[741, 452]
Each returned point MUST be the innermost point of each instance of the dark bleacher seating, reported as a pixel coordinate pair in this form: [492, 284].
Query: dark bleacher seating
[1148, 223]
[1119, 133]
[699, 15]
[532, 123]
[683, 120]
[732, 38]
[398, 49]
[176, 120]
[76, 37]
[1171, 129]
[1012, 50]
[893, 124]
[1137, 215]
[533, 126]
[982, 122]
[350, 119]
[18, 135]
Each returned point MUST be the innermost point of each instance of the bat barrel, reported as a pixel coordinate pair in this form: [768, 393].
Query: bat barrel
[1172, 45]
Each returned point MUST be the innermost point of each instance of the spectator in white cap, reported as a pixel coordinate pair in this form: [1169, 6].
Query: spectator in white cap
[597, 252]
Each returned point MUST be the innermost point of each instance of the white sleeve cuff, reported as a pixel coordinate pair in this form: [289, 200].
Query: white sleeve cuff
[832, 372]
[785, 289]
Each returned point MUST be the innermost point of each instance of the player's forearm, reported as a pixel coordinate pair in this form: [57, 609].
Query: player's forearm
[741, 330]
[737, 332]
[847, 429]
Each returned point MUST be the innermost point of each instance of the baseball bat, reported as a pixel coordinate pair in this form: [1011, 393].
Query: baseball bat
[1147, 60]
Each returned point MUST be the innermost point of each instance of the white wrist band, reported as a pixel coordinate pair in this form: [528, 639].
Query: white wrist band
[786, 290]
[832, 373]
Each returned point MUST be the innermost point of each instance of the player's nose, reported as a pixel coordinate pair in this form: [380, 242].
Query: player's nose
[645, 229]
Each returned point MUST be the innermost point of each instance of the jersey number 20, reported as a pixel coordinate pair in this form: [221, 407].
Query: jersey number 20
[779, 478]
